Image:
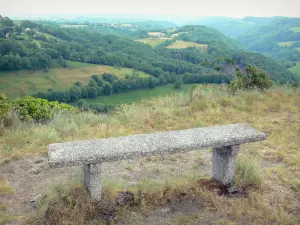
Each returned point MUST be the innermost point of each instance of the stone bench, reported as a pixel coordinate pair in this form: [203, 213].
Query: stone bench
[225, 141]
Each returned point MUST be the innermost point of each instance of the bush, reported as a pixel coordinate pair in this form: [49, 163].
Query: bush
[253, 79]
[178, 83]
[5, 107]
[38, 109]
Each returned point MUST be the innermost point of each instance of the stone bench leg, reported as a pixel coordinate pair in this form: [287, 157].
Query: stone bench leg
[92, 180]
[223, 163]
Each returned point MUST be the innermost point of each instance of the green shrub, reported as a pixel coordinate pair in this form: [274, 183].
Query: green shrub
[253, 79]
[38, 109]
[178, 83]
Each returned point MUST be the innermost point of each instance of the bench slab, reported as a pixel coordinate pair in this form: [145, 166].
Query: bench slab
[126, 147]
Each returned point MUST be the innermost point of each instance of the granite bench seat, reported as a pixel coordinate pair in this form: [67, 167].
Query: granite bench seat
[224, 140]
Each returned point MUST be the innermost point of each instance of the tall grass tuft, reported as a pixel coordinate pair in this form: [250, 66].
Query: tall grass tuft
[248, 172]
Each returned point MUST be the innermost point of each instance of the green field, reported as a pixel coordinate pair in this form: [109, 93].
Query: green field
[298, 49]
[138, 95]
[153, 42]
[186, 44]
[296, 69]
[296, 29]
[21, 83]
[286, 43]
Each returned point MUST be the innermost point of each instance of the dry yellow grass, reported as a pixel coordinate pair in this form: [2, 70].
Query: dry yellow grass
[186, 44]
[275, 112]
[5, 187]
[153, 42]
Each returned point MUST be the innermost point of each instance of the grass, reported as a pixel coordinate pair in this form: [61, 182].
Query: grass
[298, 48]
[296, 69]
[187, 44]
[276, 201]
[47, 35]
[5, 187]
[138, 95]
[296, 29]
[6, 219]
[21, 83]
[248, 172]
[286, 43]
[153, 42]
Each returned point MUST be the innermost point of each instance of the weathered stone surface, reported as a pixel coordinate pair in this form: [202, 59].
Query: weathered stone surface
[126, 147]
[224, 163]
[92, 180]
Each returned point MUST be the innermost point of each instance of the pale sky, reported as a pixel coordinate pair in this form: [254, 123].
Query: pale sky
[193, 8]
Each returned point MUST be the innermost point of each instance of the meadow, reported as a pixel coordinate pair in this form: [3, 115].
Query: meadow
[153, 42]
[21, 83]
[138, 95]
[186, 44]
[170, 189]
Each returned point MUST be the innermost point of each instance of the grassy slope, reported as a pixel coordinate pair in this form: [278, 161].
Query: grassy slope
[20, 83]
[152, 41]
[275, 112]
[186, 44]
[296, 69]
[138, 95]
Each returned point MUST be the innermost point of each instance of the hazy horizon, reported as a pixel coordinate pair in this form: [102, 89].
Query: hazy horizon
[163, 9]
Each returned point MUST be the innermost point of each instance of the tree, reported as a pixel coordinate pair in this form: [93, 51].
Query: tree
[19, 29]
[75, 93]
[92, 92]
[107, 88]
[254, 78]
[178, 83]
[61, 61]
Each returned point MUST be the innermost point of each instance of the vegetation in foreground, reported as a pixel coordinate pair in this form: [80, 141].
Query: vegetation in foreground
[273, 198]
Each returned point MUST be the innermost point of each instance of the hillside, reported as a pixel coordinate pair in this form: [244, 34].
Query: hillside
[170, 189]
[20, 83]
[232, 27]
[216, 45]
[34, 47]
[279, 40]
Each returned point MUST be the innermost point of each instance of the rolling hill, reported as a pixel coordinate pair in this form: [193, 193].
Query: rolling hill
[21, 82]
[44, 47]
[279, 39]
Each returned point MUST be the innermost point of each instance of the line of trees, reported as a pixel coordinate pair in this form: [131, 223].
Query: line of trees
[110, 83]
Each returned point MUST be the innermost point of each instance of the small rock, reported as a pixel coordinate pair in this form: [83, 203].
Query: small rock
[38, 161]
[35, 201]
[35, 171]
[132, 183]
[233, 190]
[125, 198]
[165, 210]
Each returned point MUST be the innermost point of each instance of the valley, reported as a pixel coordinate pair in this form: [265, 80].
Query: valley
[69, 78]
